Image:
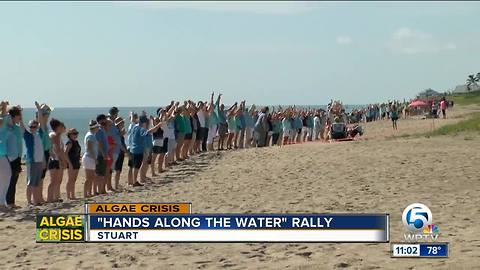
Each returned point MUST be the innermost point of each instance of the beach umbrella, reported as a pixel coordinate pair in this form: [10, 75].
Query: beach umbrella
[418, 103]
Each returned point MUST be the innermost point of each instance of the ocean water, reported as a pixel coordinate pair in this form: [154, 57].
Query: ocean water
[79, 117]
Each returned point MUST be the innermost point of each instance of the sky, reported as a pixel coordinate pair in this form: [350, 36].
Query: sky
[91, 54]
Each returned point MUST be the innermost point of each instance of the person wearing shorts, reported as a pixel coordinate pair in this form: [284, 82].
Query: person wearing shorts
[89, 159]
[35, 160]
[147, 157]
[73, 151]
[139, 135]
[180, 129]
[188, 133]
[103, 150]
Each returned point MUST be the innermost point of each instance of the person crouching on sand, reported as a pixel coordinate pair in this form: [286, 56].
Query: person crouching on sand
[72, 151]
[89, 159]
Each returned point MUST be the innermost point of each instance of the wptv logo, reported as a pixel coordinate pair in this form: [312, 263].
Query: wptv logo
[417, 219]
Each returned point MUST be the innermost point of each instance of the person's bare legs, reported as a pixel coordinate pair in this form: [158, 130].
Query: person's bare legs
[143, 170]
[29, 195]
[52, 185]
[161, 159]
[72, 178]
[36, 192]
[117, 179]
[229, 140]
[235, 140]
[88, 185]
[152, 164]
[186, 145]
[135, 175]
[221, 141]
[179, 148]
[108, 179]
[40, 187]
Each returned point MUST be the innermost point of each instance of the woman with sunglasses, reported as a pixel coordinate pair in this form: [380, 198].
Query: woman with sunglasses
[72, 151]
[35, 160]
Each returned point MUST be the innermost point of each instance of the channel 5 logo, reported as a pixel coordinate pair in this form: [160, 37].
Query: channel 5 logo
[417, 219]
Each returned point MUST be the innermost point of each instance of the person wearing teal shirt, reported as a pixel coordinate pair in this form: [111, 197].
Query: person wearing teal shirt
[232, 125]
[180, 130]
[287, 127]
[276, 129]
[5, 170]
[14, 151]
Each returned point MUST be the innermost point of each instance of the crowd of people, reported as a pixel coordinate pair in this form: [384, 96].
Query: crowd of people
[149, 142]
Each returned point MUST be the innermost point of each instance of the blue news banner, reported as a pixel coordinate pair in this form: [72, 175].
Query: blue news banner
[239, 228]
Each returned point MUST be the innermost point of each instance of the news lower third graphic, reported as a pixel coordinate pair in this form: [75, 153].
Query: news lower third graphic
[174, 222]
[61, 228]
[421, 235]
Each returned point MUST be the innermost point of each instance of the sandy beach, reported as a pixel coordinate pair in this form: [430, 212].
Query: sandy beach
[382, 172]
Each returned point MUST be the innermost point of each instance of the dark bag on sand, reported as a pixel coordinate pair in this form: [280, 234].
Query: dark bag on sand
[338, 131]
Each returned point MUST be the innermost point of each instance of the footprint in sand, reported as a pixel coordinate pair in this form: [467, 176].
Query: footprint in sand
[305, 254]
[342, 265]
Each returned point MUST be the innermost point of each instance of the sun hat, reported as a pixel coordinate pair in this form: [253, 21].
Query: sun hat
[93, 124]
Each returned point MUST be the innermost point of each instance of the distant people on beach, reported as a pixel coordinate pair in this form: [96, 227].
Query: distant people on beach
[155, 143]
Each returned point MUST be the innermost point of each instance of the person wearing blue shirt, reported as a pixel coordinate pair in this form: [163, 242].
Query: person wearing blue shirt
[242, 126]
[147, 156]
[101, 166]
[35, 160]
[115, 133]
[139, 133]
